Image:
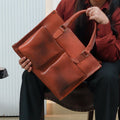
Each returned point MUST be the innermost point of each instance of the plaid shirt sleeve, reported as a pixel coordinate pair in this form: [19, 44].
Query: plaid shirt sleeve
[61, 8]
[108, 45]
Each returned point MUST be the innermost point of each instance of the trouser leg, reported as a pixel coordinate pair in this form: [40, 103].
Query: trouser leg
[31, 97]
[105, 86]
[118, 67]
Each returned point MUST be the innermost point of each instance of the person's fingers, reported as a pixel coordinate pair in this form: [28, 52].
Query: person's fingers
[88, 11]
[22, 60]
[93, 17]
[28, 66]
[25, 63]
[91, 13]
[30, 69]
[96, 14]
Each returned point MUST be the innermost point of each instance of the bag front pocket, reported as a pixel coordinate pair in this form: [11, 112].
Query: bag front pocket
[62, 76]
[41, 48]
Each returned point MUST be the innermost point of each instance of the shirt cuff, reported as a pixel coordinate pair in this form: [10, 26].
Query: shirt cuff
[103, 30]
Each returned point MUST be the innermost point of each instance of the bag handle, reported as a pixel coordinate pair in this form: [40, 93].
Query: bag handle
[69, 22]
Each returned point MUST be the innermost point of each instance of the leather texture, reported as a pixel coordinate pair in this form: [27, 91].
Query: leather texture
[58, 57]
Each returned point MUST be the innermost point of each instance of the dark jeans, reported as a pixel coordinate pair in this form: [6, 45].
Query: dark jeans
[104, 84]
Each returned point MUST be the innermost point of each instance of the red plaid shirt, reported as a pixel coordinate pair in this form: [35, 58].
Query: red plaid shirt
[107, 45]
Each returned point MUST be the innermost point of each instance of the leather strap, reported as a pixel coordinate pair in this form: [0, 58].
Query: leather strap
[69, 22]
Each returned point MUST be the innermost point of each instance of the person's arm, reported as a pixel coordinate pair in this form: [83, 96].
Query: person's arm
[60, 8]
[107, 45]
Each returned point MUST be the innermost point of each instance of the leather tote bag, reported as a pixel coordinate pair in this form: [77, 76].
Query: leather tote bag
[58, 57]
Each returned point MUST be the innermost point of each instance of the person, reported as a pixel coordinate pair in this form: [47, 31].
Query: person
[104, 83]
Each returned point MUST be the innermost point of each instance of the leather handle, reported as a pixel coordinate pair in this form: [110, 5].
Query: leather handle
[69, 22]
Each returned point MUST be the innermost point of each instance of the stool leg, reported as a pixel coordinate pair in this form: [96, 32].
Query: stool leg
[42, 113]
[90, 115]
[119, 113]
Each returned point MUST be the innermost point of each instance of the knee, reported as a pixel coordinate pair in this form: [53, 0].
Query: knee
[109, 73]
[110, 78]
[26, 76]
[29, 78]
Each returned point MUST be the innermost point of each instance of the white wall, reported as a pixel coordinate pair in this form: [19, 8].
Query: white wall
[51, 5]
[17, 17]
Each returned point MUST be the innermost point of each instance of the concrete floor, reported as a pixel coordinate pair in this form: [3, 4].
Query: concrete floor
[9, 118]
[57, 112]
[56, 117]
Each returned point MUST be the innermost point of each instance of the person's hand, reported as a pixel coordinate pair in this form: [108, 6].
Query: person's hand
[26, 64]
[95, 13]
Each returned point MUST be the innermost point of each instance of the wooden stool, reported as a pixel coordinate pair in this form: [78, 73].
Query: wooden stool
[81, 99]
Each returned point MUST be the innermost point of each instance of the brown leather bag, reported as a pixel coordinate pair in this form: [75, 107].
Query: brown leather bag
[58, 57]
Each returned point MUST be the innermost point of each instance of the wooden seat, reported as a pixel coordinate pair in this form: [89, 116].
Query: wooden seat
[81, 99]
